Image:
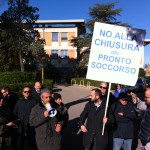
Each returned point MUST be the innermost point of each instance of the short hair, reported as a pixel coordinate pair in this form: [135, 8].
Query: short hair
[6, 88]
[45, 90]
[97, 92]
[26, 87]
[56, 96]
[105, 83]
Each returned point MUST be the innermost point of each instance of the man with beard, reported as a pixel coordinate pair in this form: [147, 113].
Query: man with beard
[94, 113]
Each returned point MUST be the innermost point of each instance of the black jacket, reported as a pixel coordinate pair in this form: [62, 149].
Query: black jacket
[10, 101]
[35, 96]
[94, 125]
[22, 111]
[144, 133]
[124, 123]
[6, 116]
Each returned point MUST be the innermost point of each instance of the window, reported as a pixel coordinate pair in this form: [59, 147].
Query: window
[54, 53]
[64, 53]
[55, 37]
[64, 37]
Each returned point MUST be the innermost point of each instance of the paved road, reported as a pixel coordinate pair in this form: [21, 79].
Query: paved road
[75, 98]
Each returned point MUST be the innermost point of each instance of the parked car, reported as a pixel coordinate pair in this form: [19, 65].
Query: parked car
[139, 86]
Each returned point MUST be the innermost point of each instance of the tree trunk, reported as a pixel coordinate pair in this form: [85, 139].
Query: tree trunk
[21, 61]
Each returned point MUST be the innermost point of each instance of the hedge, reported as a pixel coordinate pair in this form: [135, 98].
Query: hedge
[17, 77]
[16, 81]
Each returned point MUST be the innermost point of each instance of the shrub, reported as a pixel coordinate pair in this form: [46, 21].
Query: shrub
[17, 77]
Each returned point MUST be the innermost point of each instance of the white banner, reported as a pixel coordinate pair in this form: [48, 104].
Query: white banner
[115, 54]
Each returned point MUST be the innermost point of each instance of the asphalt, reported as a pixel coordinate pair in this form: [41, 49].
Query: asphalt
[75, 97]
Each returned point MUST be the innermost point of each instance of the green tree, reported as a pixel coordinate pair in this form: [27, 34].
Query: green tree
[17, 34]
[141, 72]
[104, 13]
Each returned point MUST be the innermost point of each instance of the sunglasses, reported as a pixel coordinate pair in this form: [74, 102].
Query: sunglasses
[26, 91]
[103, 87]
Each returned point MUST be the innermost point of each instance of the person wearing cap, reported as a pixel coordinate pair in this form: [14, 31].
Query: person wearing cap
[124, 113]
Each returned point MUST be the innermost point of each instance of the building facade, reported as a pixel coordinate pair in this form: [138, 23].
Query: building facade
[57, 35]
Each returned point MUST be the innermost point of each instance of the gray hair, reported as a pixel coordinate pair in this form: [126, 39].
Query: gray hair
[45, 90]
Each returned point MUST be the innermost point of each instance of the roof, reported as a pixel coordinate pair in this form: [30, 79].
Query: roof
[80, 23]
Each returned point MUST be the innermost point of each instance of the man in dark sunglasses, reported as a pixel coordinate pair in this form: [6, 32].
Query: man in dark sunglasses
[104, 89]
[25, 139]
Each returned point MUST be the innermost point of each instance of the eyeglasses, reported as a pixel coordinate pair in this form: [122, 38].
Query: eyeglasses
[103, 87]
[26, 91]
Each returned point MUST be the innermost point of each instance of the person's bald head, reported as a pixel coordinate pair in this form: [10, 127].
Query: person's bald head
[147, 96]
[37, 86]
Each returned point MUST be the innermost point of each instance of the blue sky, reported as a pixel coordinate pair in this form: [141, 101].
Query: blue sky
[134, 12]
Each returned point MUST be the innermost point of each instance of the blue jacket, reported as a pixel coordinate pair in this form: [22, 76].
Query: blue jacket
[116, 92]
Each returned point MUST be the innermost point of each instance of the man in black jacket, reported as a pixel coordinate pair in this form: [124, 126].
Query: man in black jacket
[94, 113]
[7, 121]
[144, 133]
[22, 111]
[36, 91]
[48, 129]
[123, 129]
[10, 98]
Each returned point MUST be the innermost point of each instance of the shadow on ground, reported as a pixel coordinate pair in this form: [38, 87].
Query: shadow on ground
[85, 99]
[72, 137]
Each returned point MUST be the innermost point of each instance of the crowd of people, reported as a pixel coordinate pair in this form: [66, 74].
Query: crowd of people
[36, 121]
[25, 122]
[127, 120]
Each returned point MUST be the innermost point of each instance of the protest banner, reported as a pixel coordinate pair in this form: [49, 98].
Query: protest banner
[115, 55]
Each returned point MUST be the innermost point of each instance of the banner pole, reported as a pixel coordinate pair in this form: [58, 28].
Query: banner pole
[107, 101]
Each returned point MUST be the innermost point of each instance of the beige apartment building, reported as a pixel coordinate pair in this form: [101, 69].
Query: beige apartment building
[57, 35]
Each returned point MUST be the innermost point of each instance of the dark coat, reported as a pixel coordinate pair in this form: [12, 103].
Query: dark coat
[62, 114]
[112, 99]
[10, 101]
[144, 133]
[22, 111]
[46, 136]
[35, 95]
[94, 125]
[6, 116]
[123, 127]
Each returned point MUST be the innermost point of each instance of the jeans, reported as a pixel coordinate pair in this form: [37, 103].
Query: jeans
[125, 143]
